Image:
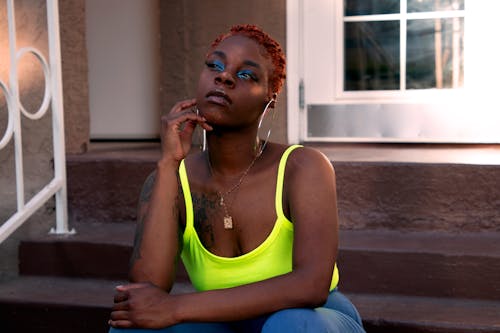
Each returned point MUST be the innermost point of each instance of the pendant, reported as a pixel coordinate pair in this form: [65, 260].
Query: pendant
[228, 222]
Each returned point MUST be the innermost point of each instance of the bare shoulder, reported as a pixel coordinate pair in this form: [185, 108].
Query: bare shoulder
[309, 172]
[307, 161]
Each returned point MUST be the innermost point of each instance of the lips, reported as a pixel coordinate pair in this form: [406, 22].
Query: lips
[218, 96]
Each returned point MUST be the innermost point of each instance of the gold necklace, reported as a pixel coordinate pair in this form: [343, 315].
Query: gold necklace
[228, 219]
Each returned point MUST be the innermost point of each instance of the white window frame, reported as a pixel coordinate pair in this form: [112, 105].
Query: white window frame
[403, 18]
[319, 85]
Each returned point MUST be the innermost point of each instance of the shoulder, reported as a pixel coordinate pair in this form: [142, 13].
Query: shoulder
[309, 170]
[308, 160]
[309, 187]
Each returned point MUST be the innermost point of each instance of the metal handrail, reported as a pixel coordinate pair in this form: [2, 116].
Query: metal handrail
[53, 97]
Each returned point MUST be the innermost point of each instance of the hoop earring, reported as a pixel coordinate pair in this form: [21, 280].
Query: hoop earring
[266, 108]
[204, 135]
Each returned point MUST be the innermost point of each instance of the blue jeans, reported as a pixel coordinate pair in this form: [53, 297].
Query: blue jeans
[337, 315]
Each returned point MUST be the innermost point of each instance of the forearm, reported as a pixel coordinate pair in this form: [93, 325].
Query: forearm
[157, 233]
[287, 291]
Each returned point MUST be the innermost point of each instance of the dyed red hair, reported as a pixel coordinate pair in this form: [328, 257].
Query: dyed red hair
[272, 47]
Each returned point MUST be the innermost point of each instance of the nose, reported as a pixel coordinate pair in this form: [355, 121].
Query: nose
[224, 78]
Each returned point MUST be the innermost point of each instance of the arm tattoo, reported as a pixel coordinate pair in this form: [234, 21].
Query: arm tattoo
[147, 188]
[136, 252]
[144, 198]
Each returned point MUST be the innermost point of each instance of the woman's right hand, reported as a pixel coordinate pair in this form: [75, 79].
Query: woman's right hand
[177, 129]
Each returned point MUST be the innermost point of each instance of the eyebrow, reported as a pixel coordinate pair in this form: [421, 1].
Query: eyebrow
[251, 63]
[246, 62]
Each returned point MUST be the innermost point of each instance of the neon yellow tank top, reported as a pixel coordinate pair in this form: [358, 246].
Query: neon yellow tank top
[273, 257]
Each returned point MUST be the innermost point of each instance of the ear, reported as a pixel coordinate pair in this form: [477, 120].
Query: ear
[273, 97]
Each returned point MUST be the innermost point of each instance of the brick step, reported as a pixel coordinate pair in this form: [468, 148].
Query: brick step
[54, 304]
[385, 262]
[410, 314]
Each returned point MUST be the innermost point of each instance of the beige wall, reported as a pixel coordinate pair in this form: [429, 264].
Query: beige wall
[74, 73]
[189, 26]
[123, 61]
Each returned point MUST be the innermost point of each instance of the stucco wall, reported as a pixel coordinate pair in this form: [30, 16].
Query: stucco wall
[187, 29]
[74, 73]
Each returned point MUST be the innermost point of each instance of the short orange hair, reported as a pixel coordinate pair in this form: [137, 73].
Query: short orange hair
[272, 47]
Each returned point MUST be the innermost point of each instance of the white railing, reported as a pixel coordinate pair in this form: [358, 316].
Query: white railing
[53, 97]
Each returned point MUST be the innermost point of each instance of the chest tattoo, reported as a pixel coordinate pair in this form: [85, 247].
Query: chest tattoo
[204, 207]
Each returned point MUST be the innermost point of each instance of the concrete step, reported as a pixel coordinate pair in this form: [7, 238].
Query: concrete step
[49, 304]
[55, 304]
[104, 184]
[410, 314]
[418, 196]
[376, 262]
[97, 250]
[435, 264]
[373, 193]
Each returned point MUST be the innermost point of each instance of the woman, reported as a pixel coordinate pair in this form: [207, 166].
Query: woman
[254, 222]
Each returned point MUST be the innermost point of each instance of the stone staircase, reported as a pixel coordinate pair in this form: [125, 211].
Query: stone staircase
[419, 245]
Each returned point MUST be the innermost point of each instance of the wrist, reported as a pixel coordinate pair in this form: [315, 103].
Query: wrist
[167, 163]
[177, 315]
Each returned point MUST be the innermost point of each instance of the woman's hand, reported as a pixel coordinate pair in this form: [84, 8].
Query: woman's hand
[177, 129]
[142, 305]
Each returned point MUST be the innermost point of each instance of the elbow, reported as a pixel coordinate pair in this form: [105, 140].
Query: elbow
[137, 275]
[314, 295]
[318, 297]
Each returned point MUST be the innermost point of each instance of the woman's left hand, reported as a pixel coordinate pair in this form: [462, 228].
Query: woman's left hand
[142, 305]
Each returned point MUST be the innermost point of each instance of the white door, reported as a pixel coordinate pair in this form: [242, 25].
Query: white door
[123, 60]
[393, 71]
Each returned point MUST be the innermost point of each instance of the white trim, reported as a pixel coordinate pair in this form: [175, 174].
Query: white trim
[409, 16]
[294, 74]
[401, 94]
[338, 56]
[403, 25]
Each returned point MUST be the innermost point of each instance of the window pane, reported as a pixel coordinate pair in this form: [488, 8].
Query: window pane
[370, 7]
[434, 5]
[435, 53]
[371, 58]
